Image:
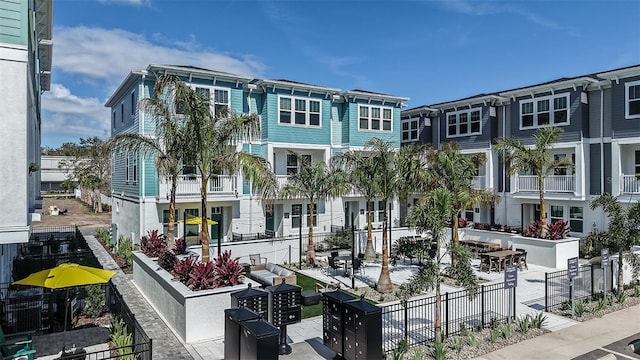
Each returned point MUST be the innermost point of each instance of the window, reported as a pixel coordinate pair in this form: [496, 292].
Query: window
[305, 112]
[122, 113]
[315, 213]
[464, 122]
[468, 215]
[126, 167]
[292, 163]
[113, 119]
[192, 230]
[632, 101]
[575, 219]
[135, 169]
[220, 102]
[637, 165]
[375, 118]
[133, 103]
[559, 170]
[538, 112]
[381, 210]
[557, 213]
[410, 130]
[296, 216]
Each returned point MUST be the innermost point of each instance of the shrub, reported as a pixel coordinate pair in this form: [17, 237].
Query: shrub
[538, 321]
[228, 271]
[621, 297]
[202, 276]
[103, 235]
[600, 305]
[579, 308]
[180, 246]
[182, 268]
[125, 249]
[153, 244]
[636, 291]
[494, 335]
[558, 230]
[338, 241]
[121, 339]
[506, 330]
[166, 260]
[524, 324]
[533, 230]
[438, 350]
[463, 223]
[94, 301]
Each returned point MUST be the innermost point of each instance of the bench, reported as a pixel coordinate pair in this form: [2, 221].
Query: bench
[272, 274]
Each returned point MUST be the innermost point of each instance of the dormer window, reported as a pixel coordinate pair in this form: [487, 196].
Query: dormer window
[375, 118]
[544, 111]
[464, 122]
[299, 111]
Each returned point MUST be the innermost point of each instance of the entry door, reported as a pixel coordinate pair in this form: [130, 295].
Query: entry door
[270, 223]
[216, 215]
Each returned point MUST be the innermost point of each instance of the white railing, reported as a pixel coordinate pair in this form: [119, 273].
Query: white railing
[478, 182]
[552, 183]
[629, 184]
[189, 185]
[281, 180]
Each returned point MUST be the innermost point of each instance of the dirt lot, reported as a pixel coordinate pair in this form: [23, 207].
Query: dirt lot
[77, 214]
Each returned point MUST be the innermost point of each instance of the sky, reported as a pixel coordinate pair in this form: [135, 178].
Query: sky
[430, 51]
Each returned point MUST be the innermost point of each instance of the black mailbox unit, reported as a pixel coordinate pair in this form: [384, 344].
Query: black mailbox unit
[285, 308]
[259, 340]
[362, 330]
[255, 300]
[233, 318]
[332, 319]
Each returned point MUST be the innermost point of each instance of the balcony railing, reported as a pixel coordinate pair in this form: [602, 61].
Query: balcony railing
[629, 184]
[190, 185]
[552, 183]
[282, 180]
[478, 182]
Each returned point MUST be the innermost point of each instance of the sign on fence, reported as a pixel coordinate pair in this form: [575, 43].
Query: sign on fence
[572, 265]
[604, 254]
[510, 276]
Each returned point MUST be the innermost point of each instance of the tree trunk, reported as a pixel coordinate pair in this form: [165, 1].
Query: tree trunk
[620, 272]
[384, 282]
[438, 322]
[205, 225]
[369, 253]
[98, 199]
[543, 210]
[454, 235]
[172, 214]
[311, 252]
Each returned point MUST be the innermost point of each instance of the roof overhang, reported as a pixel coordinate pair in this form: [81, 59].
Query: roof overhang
[44, 30]
[131, 79]
[159, 70]
[552, 87]
[419, 111]
[299, 87]
[353, 95]
[616, 75]
[491, 99]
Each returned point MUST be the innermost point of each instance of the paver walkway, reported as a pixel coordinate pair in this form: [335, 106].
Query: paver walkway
[165, 345]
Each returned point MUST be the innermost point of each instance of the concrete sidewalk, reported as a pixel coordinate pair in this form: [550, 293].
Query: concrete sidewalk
[591, 339]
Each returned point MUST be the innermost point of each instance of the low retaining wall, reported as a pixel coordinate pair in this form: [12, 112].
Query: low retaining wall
[192, 315]
[549, 253]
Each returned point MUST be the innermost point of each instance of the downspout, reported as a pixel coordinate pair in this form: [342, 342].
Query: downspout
[602, 177]
[504, 166]
[142, 179]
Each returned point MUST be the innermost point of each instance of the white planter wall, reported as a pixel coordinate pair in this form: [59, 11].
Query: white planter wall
[501, 238]
[192, 315]
[549, 253]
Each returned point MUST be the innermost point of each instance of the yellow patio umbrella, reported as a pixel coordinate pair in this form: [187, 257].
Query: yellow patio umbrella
[66, 276]
[197, 221]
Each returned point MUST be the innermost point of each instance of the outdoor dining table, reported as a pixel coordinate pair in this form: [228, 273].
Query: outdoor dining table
[346, 259]
[476, 246]
[501, 255]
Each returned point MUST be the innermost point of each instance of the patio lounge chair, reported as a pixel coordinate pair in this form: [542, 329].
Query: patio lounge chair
[16, 346]
[256, 260]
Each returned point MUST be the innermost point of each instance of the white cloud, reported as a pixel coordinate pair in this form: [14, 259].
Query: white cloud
[110, 54]
[70, 115]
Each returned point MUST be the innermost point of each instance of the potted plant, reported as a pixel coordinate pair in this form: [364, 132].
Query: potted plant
[33, 167]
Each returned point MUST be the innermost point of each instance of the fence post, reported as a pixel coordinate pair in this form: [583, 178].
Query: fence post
[482, 309]
[514, 302]
[406, 321]
[446, 314]
[546, 291]
[592, 281]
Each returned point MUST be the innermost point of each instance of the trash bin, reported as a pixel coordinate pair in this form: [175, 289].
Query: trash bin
[255, 300]
[233, 318]
[259, 340]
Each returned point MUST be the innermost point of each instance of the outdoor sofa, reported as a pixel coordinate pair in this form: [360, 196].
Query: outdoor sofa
[272, 274]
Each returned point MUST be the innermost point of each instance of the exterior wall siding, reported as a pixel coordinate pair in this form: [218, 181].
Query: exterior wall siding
[607, 169]
[480, 141]
[291, 133]
[359, 137]
[14, 25]
[622, 127]
[594, 169]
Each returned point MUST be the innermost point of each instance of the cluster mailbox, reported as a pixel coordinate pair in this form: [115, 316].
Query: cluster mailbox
[362, 330]
[333, 319]
[255, 300]
[285, 309]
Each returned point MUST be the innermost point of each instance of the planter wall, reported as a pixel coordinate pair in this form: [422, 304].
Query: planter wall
[497, 237]
[192, 315]
[549, 253]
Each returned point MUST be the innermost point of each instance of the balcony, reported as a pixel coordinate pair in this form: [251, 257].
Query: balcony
[189, 185]
[281, 180]
[629, 184]
[552, 183]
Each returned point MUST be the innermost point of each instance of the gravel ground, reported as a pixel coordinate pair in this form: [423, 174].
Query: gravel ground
[77, 214]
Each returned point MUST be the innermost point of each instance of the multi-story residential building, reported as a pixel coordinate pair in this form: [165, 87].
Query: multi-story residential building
[25, 68]
[314, 121]
[599, 115]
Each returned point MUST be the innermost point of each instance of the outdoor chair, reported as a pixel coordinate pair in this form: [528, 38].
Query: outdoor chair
[333, 265]
[334, 254]
[256, 260]
[16, 346]
[486, 262]
[508, 260]
[522, 262]
[356, 266]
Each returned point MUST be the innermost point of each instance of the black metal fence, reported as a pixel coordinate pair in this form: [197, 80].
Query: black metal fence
[415, 321]
[589, 282]
[142, 344]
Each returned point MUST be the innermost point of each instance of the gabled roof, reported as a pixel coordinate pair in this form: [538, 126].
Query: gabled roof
[373, 96]
[188, 71]
[297, 86]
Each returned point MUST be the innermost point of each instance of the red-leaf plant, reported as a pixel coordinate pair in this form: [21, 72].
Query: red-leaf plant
[228, 271]
[153, 244]
[180, 246]
[558, 230]
[182, 268]
[202, 276]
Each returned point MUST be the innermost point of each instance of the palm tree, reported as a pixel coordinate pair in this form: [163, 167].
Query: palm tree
[386, 178]
[622, 233]
[362, 169]
[213, 149]
[430, 216]
[413, 171]
[169, 142]
[314, 181]
[535, 159]
[455, 171]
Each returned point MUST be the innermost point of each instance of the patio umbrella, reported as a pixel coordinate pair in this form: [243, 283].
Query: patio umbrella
[66, 276]
[198, 221]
